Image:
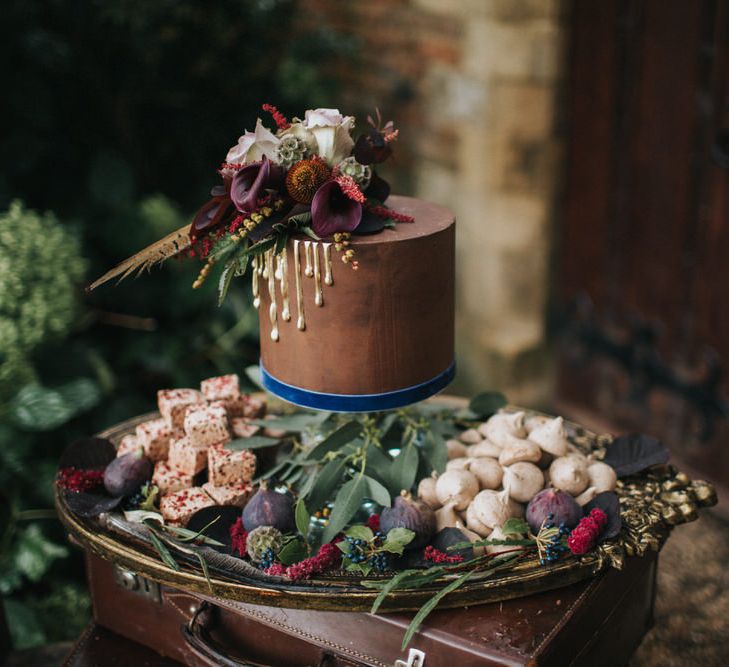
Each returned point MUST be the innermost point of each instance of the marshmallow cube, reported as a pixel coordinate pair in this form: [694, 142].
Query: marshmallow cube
[221, 387]
[230, 494]
[168, 479]
[207, 425]
[155, 436]
[178, 507]
[187, 457]
[172, 404]
[230, 467]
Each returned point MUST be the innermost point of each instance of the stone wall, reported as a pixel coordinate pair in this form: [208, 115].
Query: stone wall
[474, 86]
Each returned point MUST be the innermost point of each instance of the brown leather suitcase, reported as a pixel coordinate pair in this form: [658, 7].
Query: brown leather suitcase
[596, 622]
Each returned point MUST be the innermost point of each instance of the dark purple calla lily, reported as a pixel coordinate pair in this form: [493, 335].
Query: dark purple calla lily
[250, 182]
[210, 215]
[332, 211]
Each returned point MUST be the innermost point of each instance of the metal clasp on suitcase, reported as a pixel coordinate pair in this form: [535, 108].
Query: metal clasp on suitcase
[133, 582]
[416, 658]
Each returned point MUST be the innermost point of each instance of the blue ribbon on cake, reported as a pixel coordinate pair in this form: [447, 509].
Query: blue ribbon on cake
[388, 400]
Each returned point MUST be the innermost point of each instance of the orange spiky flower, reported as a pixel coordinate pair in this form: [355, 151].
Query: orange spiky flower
[305, 178]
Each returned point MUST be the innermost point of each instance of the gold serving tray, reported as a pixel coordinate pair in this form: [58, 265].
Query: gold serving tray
[651, 504]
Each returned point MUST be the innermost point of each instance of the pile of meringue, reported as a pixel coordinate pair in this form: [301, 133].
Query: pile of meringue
[494, 471]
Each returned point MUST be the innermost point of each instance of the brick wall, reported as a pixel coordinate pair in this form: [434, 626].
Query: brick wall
[473, 84]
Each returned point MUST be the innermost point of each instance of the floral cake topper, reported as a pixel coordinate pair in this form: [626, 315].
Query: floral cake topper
[307, 176]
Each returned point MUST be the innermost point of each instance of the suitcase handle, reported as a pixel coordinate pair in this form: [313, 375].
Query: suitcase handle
[205, 654]
[201, 649]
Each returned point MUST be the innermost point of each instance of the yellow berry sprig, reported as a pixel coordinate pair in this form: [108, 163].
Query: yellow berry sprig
[341, 244]
[247, 226]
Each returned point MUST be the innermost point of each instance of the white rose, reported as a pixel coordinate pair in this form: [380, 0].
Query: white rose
[332, 133]
[252, 146]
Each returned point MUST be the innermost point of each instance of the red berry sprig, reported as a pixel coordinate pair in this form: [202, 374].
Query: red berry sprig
[329, 556]
[436, 556]
[73, 479]
[239, 537]
[584, 537]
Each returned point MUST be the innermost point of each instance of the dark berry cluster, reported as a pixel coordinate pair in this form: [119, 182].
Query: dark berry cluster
[134, 501]
[267, 559]
[552, 546]
[357, 548]
[380, 562]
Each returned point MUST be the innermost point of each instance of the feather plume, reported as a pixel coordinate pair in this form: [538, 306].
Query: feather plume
[158, 252]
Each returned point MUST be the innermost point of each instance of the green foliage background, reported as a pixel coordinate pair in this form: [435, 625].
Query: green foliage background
[115, 115]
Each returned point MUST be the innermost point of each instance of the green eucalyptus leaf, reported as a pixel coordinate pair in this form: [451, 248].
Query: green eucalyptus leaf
[343, 435]
[327, 480]
[378, 492]
[252, 442]
[378, 464]
[360, 533]
[403, 471]
[308, 484]
[163, 551]
[487, 403]
[302, 517]
[391, 585]
[435, 451]
[348, 501]
[432, 604]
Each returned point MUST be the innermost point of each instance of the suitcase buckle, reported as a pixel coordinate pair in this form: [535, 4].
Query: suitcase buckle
[134, 583]
[416, 658]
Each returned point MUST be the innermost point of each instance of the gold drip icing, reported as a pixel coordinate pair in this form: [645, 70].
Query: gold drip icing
[328, 279]
[300, 321]
[318, 294]
[273, 306]
[283, 267]
[308, 270]
[254, 283]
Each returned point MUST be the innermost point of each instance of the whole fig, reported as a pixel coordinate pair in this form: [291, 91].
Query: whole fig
[560, 504]
[126, 473]
[412, 514]
[269, 508]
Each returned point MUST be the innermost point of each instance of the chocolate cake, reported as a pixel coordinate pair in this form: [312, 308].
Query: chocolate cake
[354, 287]
[376, 338]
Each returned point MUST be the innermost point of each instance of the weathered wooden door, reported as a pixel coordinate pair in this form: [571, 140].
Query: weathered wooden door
[642, 301]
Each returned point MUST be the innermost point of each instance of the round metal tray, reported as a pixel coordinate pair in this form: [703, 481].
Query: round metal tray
[651, 504]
